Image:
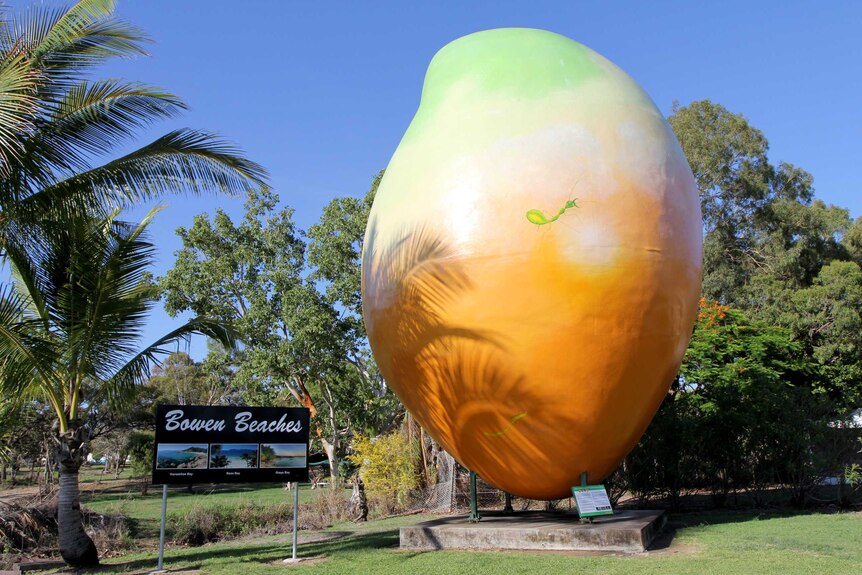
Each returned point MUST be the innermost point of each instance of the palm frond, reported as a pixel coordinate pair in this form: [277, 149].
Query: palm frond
[23, 258]
[26, 356]
[121, 387]
[118, 298]
[17, 105]
[94, 117]
[66, 42]
[183, 160]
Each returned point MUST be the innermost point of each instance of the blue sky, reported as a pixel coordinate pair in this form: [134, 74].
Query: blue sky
[321, 92]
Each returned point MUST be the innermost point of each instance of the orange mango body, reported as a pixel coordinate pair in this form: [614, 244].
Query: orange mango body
[532, 263]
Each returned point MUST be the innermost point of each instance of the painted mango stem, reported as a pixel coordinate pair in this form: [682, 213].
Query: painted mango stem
[538, 218]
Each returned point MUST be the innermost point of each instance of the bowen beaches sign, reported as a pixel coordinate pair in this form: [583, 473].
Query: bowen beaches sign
[215, 444]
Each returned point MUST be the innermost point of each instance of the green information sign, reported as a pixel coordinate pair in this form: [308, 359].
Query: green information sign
[592, 500]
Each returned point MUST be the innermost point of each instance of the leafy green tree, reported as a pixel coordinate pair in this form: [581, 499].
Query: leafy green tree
[25, 430]
[799, 241]
[267, 454]
[741, 415]
[729, 160]
[334, 258]
[852, 241]
[773, 250]
[827, 317]
[335, 251]
[738, 189]
[252, 274]
[71, 322]
[217, 460]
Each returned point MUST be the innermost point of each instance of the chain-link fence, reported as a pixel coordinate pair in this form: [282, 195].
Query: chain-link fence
[451, 492]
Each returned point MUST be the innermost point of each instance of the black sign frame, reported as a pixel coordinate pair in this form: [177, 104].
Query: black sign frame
[230, 444]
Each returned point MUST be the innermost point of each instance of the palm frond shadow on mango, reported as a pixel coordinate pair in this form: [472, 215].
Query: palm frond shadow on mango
[446, 374]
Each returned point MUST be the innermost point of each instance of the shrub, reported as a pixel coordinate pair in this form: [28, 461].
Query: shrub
[327, 506]
[387, 465]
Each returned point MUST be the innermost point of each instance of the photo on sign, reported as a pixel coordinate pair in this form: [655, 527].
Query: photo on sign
[282, 455]
[182, 456]
[233, 455]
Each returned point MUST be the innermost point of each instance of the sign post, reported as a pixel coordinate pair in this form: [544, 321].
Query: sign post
[162, 527]
[293, 558]
[229, 444]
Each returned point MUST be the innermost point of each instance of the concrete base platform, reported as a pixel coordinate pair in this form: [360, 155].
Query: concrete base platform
[625, 531]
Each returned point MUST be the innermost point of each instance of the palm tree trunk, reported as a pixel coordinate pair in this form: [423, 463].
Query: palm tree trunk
[76, 547]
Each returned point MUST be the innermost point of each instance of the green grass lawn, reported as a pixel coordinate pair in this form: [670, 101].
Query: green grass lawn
[704, 543]
[145, 511]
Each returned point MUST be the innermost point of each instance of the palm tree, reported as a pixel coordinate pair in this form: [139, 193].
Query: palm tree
[70, 322]
[57, 125]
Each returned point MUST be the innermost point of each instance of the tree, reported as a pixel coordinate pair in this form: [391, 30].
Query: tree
[335, 251]
[217, 460]
[738, 189]
[771, 249]
[56, 125]
[827, 318]
[71, 322]
[335, 258]
[741, 414]
[251, 275]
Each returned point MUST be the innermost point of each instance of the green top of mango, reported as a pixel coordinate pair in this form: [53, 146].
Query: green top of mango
[521, 62]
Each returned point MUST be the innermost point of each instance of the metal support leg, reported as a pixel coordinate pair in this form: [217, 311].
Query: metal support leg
[293, 557]
[295, 513]
[474, 506]
[508, 507]
[584, 484]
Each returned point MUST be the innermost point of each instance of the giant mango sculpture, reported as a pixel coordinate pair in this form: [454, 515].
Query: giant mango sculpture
[532, 261]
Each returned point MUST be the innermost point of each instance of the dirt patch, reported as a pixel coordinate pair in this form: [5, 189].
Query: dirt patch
[303, 561]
